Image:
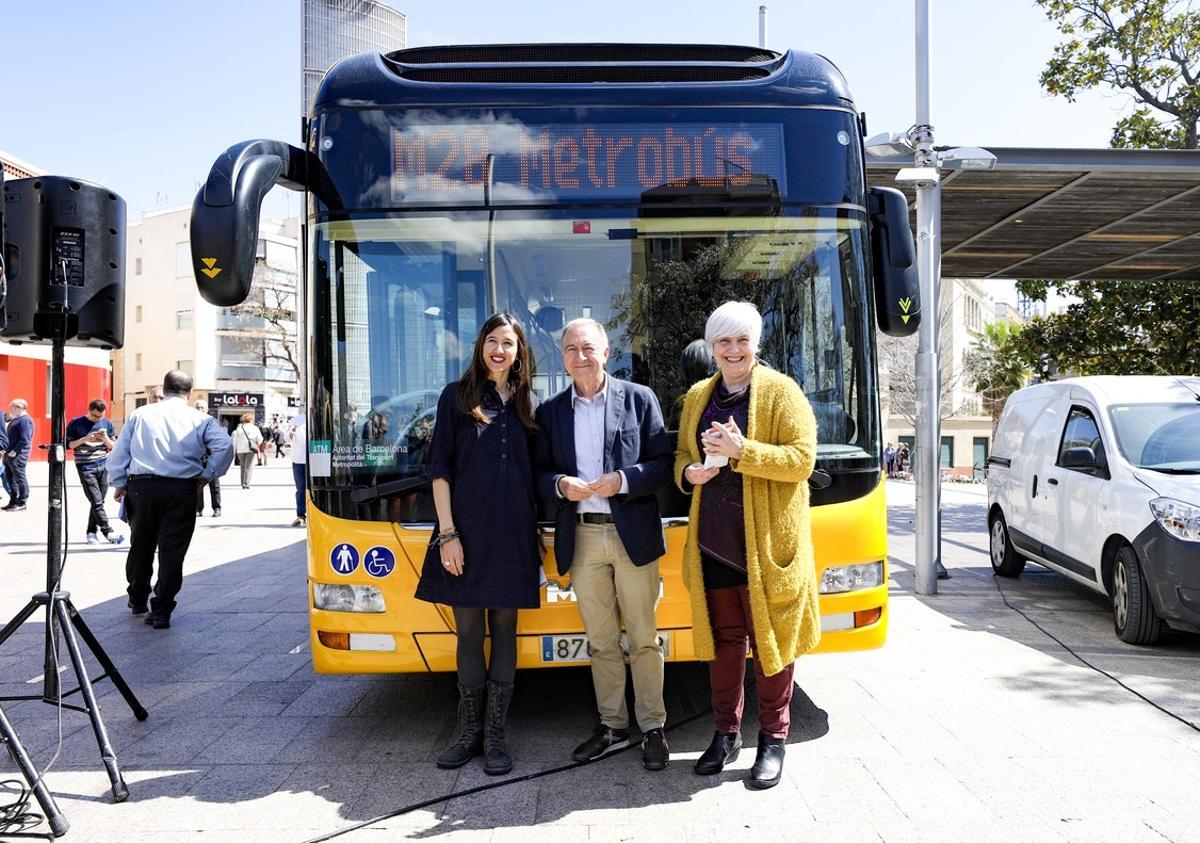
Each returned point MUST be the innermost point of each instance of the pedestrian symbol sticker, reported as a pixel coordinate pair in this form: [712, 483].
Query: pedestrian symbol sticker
[379, 561]
[344, 559]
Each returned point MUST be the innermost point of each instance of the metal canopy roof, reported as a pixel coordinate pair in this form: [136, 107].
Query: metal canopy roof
[1112, 214]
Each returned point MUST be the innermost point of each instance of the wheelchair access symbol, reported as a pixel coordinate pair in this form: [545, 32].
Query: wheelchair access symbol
[344, 558]
[379, 561]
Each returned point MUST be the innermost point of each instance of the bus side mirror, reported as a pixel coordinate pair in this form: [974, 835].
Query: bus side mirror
[894, 261]
[224, 227]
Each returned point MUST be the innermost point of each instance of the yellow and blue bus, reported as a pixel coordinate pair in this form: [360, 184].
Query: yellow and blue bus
[640, 185]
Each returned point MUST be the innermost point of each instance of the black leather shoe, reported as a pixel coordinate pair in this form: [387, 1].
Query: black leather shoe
[137, 608]
[768, 765]
[655, 753]
[158, 621]
[601, 743]
[723, 750]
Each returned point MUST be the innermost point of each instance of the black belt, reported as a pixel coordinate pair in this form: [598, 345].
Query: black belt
[594, 518]
[160, 479]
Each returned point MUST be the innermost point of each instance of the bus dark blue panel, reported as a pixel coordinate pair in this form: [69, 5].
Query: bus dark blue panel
[500, 157]
[572, 75]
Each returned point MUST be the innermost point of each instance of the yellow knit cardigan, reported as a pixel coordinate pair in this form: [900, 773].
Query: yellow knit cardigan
[777, 458]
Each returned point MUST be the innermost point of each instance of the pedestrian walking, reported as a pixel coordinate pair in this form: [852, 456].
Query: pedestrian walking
[889, 459]
[279, 437]
[603, 454]
[156, 467]
[16, 457]
[265, 439]
[484, 561]
[747, 445]
[246, 442]
[213, 485]
[298, 434]
[92, 437]
[4, 479]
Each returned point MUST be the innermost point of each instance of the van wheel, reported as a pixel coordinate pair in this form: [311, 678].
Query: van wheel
[1134, 617]
[1006, 562]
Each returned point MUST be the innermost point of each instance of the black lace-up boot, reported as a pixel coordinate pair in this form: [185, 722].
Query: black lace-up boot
[470, 729]
[496, 761]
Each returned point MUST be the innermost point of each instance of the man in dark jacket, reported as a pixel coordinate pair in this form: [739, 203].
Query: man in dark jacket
[603, 453]
[16, 457]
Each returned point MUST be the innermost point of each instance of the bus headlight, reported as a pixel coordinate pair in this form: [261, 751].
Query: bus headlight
[348, 598]
[841, 578]
[1182, 520]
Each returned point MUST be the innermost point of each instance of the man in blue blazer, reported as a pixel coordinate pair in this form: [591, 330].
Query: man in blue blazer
[603, 453]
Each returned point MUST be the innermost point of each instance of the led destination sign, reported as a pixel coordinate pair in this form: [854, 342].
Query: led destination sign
[449, 162]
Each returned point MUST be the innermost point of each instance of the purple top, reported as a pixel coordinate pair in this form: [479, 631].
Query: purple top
[722, 516]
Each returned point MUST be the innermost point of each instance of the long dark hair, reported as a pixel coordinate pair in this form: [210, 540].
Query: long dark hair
[473, 382]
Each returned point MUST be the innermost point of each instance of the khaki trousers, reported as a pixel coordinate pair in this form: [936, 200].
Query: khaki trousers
[610, 587]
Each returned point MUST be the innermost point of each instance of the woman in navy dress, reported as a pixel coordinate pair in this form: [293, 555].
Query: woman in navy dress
[484, 559]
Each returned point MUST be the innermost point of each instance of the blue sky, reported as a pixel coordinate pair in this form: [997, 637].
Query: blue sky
[142, 96]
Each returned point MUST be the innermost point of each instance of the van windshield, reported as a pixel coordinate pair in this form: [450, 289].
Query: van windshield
[1160, 437]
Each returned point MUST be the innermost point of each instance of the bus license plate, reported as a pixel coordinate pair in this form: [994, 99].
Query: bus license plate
[574, 648]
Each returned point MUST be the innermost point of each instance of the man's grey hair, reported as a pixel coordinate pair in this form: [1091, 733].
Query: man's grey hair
[19, 404]
[734, 318]
[585, 322]
[200, 405]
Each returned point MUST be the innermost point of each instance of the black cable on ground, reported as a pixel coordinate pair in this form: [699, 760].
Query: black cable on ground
[416, 806]
[1086, 663]
[15, 821]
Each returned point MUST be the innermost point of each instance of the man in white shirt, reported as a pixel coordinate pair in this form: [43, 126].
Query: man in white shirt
[603, 453]
[157, 464]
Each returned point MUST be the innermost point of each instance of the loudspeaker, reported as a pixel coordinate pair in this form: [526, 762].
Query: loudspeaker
[64, 249]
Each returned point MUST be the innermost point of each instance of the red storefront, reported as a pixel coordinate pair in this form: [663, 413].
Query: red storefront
[29, 378]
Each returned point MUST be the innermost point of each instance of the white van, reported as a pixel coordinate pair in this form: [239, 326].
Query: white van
[1099, 479]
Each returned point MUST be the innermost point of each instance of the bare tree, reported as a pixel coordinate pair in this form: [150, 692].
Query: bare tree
[898, 364]
[271, 309]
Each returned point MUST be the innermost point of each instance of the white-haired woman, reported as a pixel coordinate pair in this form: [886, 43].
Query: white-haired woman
[747, 442]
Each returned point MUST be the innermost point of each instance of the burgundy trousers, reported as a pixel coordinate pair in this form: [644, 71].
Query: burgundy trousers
[729, 614]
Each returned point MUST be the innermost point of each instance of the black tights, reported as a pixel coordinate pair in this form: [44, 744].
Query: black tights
[472, 671]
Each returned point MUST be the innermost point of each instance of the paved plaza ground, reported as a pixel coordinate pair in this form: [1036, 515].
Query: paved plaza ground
[997, 711]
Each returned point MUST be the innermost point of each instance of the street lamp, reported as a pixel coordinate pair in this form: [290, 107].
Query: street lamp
[917, 145]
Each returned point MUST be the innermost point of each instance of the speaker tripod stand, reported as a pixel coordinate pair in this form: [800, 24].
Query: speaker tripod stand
[63, 620]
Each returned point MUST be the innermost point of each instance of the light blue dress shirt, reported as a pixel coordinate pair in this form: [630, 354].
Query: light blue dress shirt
[169, 439]
[589, 445]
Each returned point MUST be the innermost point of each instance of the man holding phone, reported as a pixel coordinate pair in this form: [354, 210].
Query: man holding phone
[92, 437]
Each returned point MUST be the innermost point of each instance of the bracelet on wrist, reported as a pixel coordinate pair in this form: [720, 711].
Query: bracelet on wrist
[445, 537]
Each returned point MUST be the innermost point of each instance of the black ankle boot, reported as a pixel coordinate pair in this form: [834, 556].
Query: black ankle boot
[496, 761]
[470, 729]
[723, 750]
[768, 765]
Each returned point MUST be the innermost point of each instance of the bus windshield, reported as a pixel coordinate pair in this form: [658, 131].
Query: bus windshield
[397, 301]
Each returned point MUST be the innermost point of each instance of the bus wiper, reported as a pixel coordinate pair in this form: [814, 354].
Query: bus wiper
[366, 494]
[1166, 470]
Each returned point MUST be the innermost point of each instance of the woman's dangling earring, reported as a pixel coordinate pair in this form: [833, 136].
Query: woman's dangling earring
[516, 366]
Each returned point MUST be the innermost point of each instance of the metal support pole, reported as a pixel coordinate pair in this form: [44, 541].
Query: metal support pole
[762, 27]
[927, 380]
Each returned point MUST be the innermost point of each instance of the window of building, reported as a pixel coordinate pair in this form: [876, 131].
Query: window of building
[137, 360]
[183, 260]
[183, 319]
[137, 266]
[185, 366]
[137, 313]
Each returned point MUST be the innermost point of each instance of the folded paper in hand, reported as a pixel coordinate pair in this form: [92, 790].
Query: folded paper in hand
[715, 461]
